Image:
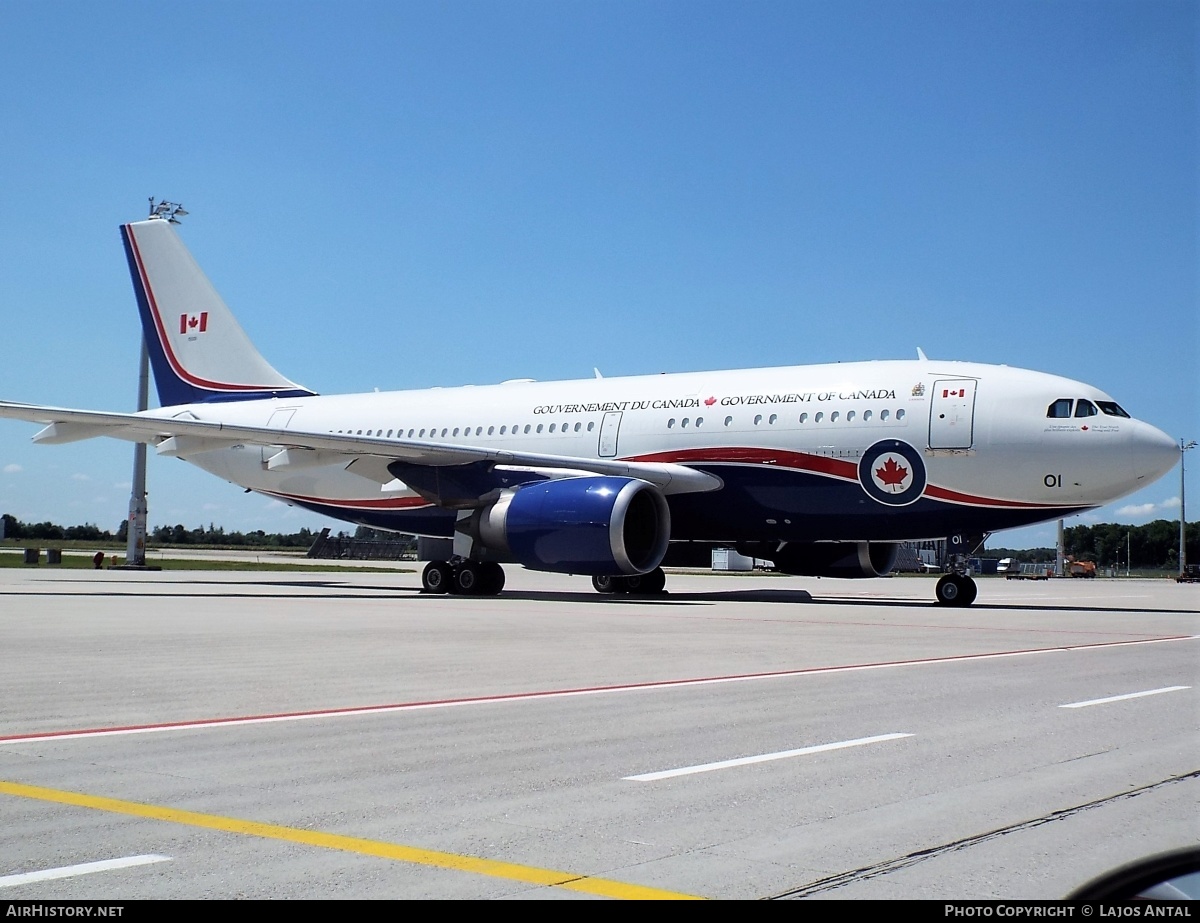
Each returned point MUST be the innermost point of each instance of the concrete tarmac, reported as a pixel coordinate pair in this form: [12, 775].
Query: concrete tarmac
[219, 735]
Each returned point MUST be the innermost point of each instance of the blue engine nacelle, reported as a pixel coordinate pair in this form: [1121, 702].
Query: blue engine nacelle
[583, 525]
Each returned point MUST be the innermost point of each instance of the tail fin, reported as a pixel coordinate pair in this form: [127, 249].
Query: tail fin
[198, 350]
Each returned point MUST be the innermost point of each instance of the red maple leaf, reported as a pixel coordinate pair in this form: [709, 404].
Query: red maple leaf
[710, 401]
[891, 474]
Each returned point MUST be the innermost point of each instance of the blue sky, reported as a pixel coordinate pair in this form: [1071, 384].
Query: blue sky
[403, 195]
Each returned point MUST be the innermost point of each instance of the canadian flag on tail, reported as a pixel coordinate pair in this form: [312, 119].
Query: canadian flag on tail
[191, 324]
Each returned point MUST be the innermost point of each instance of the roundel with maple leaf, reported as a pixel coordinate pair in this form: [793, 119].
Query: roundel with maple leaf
[892, 472]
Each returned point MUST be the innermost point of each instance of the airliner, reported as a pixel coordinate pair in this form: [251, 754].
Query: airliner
[820, 469]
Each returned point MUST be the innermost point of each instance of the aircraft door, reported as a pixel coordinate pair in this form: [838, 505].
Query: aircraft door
[952, 414]
[280, 419]
[608, 435]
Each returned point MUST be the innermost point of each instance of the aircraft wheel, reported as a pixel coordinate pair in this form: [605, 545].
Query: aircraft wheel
[493, 579]
[955, 590]
[437, 577]
[469, 579]
[650, 584]
[606, 583]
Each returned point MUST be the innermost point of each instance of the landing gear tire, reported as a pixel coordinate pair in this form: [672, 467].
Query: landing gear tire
[652, 583]
[606, 583]
[468, 579]
[635, 584]
[437, 577]
[493, 579]
[956, 590]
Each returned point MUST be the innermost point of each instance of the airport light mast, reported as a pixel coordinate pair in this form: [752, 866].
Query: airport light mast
[1183, 450]
[135, 539]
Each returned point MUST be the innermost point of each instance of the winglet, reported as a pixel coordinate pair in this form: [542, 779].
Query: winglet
[921, 355]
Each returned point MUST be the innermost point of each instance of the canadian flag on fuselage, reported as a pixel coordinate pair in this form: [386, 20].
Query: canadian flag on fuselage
[961, 392]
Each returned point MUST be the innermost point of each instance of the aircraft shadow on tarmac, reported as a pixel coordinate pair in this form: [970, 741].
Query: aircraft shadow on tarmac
[336, 589]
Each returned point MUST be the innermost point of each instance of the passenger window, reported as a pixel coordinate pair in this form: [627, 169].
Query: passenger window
[527, 429]
[773, 419]
[671, 423]
[884, 414]
[699, 422]
[684, 422]
[728, 420]
[818, 418]
[422, 432]
[866, 415]
[757, 419]
[849, 416]
[803, 418]
[833, 417]
[900, 414]
[591, 425]
[577, 425]
[539, 427]
[503, 430]
[1085, 408]
[491, 430]
[1060, 408]
[551, 428]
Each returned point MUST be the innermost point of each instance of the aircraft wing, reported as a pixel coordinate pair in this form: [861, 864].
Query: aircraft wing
[184, 435]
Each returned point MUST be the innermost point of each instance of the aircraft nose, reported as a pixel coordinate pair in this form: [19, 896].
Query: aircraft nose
[1154, 453]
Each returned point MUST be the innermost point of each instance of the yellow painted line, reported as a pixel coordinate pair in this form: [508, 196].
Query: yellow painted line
[602, 887]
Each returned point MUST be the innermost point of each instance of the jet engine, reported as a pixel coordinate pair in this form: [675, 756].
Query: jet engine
[584, 525]
[827, 559]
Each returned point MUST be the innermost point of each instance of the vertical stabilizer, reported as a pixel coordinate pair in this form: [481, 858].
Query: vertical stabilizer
[198, 350]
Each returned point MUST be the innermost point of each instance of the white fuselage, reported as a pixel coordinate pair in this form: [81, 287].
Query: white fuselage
[982, 431]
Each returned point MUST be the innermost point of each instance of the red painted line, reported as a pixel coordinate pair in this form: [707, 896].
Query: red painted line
[555, 693]
[820, 464]
[750, 455]
[954, 496]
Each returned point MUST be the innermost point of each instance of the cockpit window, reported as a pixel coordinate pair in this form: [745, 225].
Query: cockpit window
[1060, 408]
[1085, 408]
[1112, 409]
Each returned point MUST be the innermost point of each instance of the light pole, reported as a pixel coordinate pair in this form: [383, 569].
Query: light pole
[1183, 449]
[135, 544]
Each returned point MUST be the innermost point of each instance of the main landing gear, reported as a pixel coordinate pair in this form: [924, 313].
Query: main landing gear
[466, 578]
[955, 590]
[648, 584]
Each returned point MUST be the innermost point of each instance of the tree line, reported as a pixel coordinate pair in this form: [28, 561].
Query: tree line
[1150, 547]
[160, 535]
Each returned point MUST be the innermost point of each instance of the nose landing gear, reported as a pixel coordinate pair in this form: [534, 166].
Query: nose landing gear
[957, 588]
